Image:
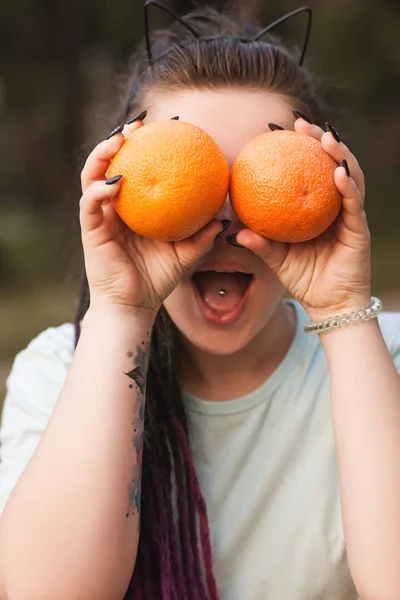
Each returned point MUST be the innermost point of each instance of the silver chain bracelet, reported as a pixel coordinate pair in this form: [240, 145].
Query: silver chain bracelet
[372, 311]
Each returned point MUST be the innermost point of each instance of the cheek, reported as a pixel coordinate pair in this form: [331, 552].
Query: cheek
[179, 301]
[266, 299]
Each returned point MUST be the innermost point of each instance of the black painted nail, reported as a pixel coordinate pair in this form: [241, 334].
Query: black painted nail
[231, 239]
[274, 127]
[138, 117]
[174, 118]
[333, 131]
[115, 131]
[299, 115]
[113, 179]
[346, 166]
[226, 223]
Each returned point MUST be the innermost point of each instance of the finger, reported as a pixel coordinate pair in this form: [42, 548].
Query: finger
[91, 212]
[339, 152]
[193, 248]
[353, 215]
[140, 116]
[332, 144]
[273, 253]
[131, 127]
[346, 185]
[98, 161]
[302, 126]
[112, 221]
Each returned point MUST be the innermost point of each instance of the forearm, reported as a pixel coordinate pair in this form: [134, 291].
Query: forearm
[65, 532]
[365, 399]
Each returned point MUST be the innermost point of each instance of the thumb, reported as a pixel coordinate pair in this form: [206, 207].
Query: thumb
[273, 253]
[196, 246]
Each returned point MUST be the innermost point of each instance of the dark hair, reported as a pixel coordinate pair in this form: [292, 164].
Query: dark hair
[174, 559]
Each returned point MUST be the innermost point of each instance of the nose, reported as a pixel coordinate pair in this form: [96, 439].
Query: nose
[227, 212]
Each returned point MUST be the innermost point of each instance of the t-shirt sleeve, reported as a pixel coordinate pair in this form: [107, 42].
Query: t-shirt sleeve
[33, 387]
[390, 327]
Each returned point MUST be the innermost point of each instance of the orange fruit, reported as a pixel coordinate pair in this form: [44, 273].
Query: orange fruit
[176, 179]
[283, 188]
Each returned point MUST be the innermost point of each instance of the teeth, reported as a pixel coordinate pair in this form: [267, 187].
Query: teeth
[225, 271]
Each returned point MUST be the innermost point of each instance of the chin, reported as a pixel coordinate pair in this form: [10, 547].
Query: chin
[215, 341]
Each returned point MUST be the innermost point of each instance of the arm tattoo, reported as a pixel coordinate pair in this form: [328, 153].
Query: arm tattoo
[138, 376]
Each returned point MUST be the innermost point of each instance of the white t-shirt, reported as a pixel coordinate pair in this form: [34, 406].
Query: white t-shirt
[266, 464]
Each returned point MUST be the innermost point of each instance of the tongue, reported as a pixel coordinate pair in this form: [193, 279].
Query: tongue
[222, 291]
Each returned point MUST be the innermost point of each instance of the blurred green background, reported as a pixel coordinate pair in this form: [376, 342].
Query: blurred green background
[59, 88]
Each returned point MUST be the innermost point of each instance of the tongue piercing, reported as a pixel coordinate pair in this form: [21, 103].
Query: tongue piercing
[222, 292]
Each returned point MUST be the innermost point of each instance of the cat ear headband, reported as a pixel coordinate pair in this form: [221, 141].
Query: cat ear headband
[148, 3]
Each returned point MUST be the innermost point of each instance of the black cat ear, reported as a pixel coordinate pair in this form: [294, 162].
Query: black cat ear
[294, 13]
[177, 18]
[169, 12]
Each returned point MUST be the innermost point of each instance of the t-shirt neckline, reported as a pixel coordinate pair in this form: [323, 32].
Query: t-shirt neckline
[284, 370]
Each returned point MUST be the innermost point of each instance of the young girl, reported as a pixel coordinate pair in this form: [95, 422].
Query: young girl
[259, 462]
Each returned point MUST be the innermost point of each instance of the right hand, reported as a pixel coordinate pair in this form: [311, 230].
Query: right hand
[126, 270]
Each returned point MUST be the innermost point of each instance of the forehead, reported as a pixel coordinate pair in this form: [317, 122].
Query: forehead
[232, 117]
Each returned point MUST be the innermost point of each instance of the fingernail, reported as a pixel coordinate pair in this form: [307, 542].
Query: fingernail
[113, 179]
[231, 239]
[138, 117]
[274, 127]
[174, 118]
[226, 223]
[346, 166]
[333, 131]
[299, 115]
[115, 131]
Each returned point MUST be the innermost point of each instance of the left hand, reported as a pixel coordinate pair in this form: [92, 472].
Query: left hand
[330, 273]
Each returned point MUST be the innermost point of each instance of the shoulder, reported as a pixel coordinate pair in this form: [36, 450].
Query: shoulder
[39, 371]
[33, 388]
[57, 342]
[390, 326]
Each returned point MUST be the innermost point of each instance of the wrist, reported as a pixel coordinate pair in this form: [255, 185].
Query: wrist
[103, 312]
[342, 320]
[352, 304]
[350, 341]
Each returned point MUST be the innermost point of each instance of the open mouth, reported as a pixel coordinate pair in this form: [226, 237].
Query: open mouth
[222, 295]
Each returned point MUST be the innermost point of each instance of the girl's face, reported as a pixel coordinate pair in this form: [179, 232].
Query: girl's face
[220, 312]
